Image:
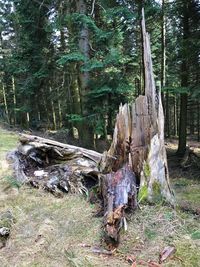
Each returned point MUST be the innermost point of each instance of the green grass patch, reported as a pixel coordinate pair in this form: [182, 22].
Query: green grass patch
[12, 182]
[195, 235]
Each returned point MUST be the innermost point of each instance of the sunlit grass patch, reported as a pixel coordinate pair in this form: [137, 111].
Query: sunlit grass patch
[153, 228]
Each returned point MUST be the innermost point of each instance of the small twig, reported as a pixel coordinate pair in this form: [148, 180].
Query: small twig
[92, 48]
[102, 251]
[92, 12]
[101, 7]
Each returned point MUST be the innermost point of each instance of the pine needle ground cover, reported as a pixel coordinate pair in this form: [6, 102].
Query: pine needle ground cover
[50, 231]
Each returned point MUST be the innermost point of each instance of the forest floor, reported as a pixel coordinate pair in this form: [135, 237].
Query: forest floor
[58, 232]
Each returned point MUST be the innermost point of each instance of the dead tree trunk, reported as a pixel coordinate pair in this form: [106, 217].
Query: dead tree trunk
[137, 153]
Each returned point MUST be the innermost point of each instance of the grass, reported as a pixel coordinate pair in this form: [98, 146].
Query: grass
[154, 227]
[51, 231]
[187, 192]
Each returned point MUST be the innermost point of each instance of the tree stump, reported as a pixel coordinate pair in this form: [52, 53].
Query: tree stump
[137, 156]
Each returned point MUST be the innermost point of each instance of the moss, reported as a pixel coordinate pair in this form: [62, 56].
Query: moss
[195, 235]
[156, 193]
[143, 194]
[147, 170]
[156, 188]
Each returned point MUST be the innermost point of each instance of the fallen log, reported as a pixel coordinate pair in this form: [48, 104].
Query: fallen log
[54, 166]
[190, 159]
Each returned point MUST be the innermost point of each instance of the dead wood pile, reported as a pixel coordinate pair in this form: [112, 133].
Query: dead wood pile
[54, 166]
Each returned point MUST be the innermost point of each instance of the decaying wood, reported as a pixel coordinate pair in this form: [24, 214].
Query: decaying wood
[55, 166]
[136, 153]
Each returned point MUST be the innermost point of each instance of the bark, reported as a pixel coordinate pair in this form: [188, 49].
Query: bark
[175, 117]
[85, 129]
[53, 109]
[198, 122]
[14, 99]
[163, 61]
[5, 103]
[184, 83]
[167, 112]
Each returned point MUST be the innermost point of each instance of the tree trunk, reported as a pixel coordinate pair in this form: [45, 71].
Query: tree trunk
[184, 83]
[85, 129]
[175, 117]
[163, 60]
[14, 100]
[198, 122]
[5, 103]
[137, 156]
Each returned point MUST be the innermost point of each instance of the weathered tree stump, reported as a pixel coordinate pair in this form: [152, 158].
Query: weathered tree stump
[137, 153]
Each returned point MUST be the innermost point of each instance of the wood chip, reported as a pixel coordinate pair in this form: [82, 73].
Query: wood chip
[166, 253]
[102, 251]
[153, 264]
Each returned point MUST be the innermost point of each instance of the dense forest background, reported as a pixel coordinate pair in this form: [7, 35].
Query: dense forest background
[67, 65]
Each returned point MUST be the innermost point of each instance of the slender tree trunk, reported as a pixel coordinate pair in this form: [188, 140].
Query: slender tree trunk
[44, 100]
[163, 61]
[14, 99]
[5, 103]
[85, 130]
[53, 109]
[198, 123]
[167, 120]
[183, 125]
[191, 119]
[184, 83]
[59, 109]
[175, 117]
[142, 67]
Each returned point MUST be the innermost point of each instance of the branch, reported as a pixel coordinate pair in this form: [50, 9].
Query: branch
[92, 12]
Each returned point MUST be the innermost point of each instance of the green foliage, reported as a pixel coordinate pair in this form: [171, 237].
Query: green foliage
[92, 65]
[74, 118]
[176, 90]
[41, 50]
[71, 57]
